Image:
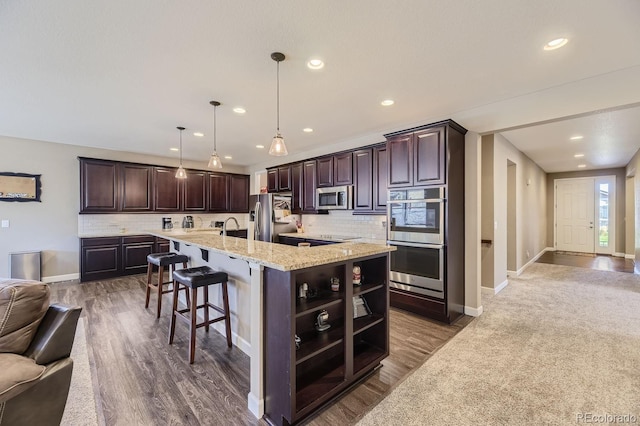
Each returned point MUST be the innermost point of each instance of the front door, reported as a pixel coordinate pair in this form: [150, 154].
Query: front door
[575, 215]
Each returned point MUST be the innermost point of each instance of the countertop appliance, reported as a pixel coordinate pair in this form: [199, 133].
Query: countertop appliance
[187, 222]
[270, 216]
[416, 228]
[166, 223]
[335, 198]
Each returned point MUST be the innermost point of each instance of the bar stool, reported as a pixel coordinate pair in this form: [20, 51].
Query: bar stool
[161, 260]
[194, 278]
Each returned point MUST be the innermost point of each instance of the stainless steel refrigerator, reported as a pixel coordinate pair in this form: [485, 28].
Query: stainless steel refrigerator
[270, 216]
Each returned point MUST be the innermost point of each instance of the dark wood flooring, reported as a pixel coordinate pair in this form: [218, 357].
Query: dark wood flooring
[592, 261]
[140, 379]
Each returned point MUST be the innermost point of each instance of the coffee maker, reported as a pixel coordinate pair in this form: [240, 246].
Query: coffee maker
[166, 223]
[187, 222]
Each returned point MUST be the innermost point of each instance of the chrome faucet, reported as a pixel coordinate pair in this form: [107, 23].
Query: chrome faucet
[224, 227]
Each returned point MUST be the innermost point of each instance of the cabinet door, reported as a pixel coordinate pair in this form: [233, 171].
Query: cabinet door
[343, 169]
[167, 190]
[195, 191]
[162, 245]
[136, 187]
[284, 178]
[134, 253]
[380, 168]
[98, 186]
[429, 157]
[218, 192]
[239, 193]
[297, 188]
[363, 178]
[325, 172]
[309, 192]
[272, 180]
[100, 258]
[399, 150]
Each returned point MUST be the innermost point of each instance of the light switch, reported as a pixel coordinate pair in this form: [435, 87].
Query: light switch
[5, 223]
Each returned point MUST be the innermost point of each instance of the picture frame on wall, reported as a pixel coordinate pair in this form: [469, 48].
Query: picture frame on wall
[19, 187]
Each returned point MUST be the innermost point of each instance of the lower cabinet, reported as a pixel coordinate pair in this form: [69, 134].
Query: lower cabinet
[109, 257]
[319, 345]
[293, 241]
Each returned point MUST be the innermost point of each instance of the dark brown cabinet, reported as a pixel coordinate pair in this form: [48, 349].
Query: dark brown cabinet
[417, 158]
[238, 193]
[108, 257]
[279, 179]
[218, 192]
[325, 171]
[310, 185]
[370, 180]
[343, 169]
[380, 170]
[195, 191]
[99, 186]
[112, 186]
[297, 188]
[167, 190]
[363, 180]
[136, 187]
[298, 381]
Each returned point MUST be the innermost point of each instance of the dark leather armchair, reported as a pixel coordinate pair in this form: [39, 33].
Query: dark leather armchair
[34, 383]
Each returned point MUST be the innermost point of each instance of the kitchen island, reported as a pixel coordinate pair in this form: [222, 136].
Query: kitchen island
[267, 314]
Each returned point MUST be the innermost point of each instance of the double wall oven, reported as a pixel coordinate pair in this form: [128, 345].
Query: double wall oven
[416, 225]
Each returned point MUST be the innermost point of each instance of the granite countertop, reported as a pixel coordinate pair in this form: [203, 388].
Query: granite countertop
[333, 237]
[276, 256]
[127, 232]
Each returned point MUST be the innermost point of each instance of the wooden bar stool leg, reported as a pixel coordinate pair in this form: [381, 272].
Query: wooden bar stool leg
[186, 289]
[227, 316]
[172, 324]
[149, 275]
[192, 338]
[206, 308]
[160, 281]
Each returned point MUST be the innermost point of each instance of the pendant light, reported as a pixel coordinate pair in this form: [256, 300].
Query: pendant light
[278, 148]
[181, 174]
[214, 161]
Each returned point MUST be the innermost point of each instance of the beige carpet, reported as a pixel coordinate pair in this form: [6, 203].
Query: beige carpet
[81, 405]
[557, 345]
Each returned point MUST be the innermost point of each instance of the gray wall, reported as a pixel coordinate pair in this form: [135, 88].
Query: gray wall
[632, 171]
[52, 225]
[619, 173]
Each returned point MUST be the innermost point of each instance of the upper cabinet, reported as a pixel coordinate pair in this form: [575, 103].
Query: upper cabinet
[343, 169]
[279, 179]
[137, 194]
[417, 157]
[112, 187]
[238, 193]
[167, 190]
[99, 181]
[325, 171]
[297, 188]
[309, 176]
[370, 180]
[380, 181]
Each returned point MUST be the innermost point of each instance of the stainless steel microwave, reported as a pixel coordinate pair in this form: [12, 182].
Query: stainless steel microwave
[334, 198]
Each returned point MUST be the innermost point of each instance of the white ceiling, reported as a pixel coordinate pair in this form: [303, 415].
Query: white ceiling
[123, 74]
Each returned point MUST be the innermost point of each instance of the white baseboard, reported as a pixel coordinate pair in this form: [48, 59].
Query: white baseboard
[533, 260]
[255, 405]
[630, 256]
[474, 312]
[617, 254]
[495, 290]
[58, 278]
[238, 341]
[549, 249]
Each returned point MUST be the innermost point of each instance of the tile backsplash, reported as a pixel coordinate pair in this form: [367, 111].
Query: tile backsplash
[343, 222]
[90, 224]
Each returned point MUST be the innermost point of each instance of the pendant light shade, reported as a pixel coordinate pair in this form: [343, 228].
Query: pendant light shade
[214, 161]
[278, 148]
[181, 173]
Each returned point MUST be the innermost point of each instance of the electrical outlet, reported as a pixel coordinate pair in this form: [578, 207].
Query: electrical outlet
[5, 223]
[384, 223]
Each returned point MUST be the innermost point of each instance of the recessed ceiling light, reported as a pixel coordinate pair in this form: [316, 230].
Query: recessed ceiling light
[582, 166]
[198, 134]
[315, 64]
[239, 110]
[579, 155]
[174, 149]
[307, 130]
[576, 138]
[387, 102]
[228, 157]
[259, 146]
[556, 44]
